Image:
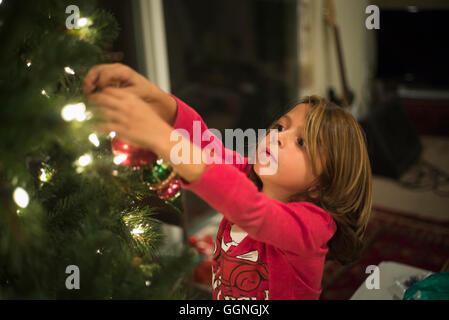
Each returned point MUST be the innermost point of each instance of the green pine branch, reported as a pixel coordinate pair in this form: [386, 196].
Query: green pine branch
[75, 215]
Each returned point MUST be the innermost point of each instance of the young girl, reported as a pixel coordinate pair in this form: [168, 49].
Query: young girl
[277, 229]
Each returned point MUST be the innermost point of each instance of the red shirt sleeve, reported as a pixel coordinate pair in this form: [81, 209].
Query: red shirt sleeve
[190, 121]
[297, 227]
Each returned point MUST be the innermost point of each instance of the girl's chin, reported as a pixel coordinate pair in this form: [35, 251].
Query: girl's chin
[257, 170]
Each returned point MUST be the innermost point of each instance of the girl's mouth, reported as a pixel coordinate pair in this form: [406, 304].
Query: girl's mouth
[269, 155]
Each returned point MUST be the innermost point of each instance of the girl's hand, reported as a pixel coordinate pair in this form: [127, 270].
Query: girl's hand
[127, 115]
[136, 123]
[121, 76]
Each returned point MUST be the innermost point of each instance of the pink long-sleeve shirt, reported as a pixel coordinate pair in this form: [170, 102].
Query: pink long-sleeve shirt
[265, 249]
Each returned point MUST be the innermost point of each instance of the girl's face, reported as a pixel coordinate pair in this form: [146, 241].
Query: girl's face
[294, 168]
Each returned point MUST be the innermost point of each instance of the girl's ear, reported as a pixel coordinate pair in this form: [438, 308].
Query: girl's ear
[314, 193]
[315, 190]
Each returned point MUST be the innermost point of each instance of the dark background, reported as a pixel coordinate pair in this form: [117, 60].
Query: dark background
[413, 47]
[233, 61]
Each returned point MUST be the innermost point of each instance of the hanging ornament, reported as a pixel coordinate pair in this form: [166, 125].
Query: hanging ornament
[172, 192]
[162, 178]
[155, 172]
[132, 156]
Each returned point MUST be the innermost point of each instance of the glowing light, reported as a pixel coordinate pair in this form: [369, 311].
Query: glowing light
[138, 230]
[69, 70]
[84, 160]
[147, 283]
[94, 139]
[74, 111]
[28, 63]
[44, 93]
[120, 158]
[112, 134]
[84, 22]
[81, 117]
[89, 115]
[21, 197]
[43, 177]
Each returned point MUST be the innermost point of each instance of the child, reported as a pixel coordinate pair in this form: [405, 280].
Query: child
[277, 229]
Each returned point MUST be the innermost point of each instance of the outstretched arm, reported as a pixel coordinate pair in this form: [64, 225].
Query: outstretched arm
[136, 123]
[296, 227]
[168, 107]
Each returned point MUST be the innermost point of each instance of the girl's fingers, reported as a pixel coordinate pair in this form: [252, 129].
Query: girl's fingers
[113, 75]
[106, 127]
[117, 93]
[91, 78]
[106, 100]
[112, 115]
[105, 75]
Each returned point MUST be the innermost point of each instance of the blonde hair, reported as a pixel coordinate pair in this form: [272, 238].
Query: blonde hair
[344, 187]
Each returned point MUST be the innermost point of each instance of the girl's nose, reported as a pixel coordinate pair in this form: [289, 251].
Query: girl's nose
[281, 139]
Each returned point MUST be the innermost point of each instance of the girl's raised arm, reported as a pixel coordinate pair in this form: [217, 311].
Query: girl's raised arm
[190, 121]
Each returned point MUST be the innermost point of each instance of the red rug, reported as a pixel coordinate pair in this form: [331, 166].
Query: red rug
[391, 236]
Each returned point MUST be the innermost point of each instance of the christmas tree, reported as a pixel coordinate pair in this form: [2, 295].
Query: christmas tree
[73, 224]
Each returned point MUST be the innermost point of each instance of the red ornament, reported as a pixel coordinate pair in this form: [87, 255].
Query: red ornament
[135, 156]
[170, 191]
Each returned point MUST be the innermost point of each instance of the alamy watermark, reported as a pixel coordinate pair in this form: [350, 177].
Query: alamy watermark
[73, 280]
[212, 152]
[72, 21]
[373, 20]
[373, 280]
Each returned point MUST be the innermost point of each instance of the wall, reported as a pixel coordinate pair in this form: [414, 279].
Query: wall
[318, 55]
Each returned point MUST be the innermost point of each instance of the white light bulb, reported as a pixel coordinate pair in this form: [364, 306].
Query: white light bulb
[43, 176]
[84, 22]
[120, 158]
[84, 160]
[44, 93]
[80, 117]
[28, 64]
[69, 70]
[94, 139]
[112, 134]
[137, 230]
[21, 197]
[74, 111]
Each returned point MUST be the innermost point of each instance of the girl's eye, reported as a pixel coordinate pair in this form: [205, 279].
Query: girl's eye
[301, 142]
[278, 126]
